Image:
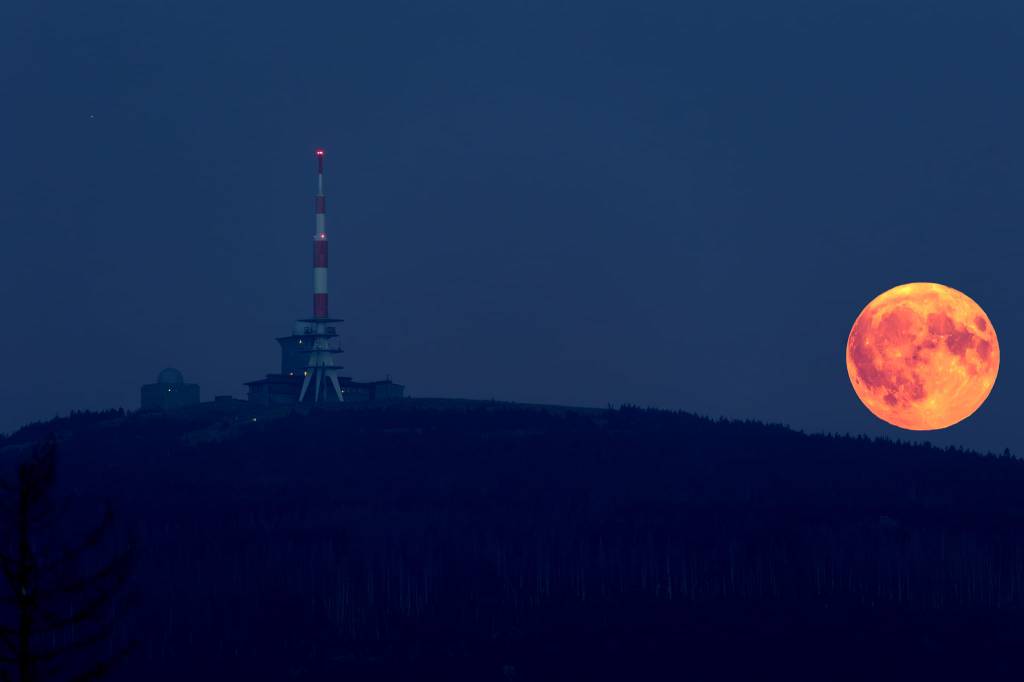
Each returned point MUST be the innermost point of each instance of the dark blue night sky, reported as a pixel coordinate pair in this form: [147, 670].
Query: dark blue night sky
[682, 205]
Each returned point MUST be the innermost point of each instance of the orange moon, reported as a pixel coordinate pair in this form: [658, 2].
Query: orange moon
[922, 356]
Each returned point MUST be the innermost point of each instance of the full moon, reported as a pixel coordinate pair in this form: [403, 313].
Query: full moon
[922, 356]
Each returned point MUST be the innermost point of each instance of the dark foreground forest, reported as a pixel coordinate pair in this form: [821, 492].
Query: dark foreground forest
[476, 541]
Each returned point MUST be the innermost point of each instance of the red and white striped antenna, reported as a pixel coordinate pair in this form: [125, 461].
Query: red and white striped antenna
[320, 243]
[321, 368]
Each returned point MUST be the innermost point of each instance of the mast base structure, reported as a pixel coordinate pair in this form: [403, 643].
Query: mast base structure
[320, 372]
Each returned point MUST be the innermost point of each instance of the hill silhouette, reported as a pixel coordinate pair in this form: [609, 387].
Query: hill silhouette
[494, 541]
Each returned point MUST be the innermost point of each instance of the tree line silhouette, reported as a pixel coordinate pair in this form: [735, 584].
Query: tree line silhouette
[503, 542]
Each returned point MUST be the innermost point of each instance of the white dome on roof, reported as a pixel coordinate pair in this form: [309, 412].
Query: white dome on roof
[170, 376]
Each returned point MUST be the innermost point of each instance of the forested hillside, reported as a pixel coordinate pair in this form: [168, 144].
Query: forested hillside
[502, 542]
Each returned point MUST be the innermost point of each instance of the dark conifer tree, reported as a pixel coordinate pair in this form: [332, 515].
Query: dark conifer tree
[61, 578]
